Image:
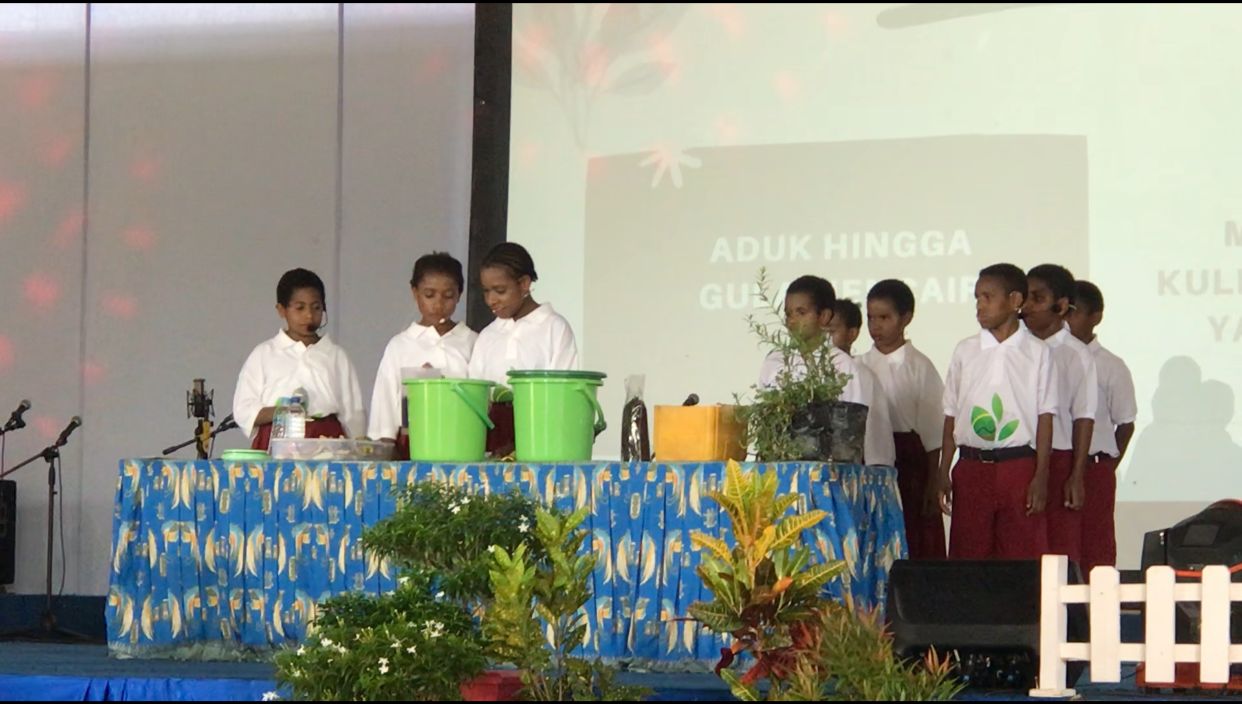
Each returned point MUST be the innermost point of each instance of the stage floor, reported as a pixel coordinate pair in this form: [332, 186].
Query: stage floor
[49, 672]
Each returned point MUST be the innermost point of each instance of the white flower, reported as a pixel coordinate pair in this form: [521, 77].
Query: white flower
[523, 526]
[465, 501]
[433, 629]
[456, 509]
[412, 649]
[341, 649]
[383, 669]
[439, 595]
[491, 548]
[402, 580]
[396, 645]
[301, 650]
[271, 697]
[383, 661]
[326, 642]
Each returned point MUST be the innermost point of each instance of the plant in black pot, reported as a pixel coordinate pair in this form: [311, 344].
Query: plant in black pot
[797, 413]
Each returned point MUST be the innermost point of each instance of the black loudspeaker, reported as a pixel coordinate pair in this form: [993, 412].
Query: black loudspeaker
[985, 614]
[8, 531]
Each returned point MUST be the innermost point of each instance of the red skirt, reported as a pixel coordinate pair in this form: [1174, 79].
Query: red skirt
[500, 440]
[328, 427]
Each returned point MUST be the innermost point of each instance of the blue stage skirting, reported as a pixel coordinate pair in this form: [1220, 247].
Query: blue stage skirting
[218, 560]
[18, 688]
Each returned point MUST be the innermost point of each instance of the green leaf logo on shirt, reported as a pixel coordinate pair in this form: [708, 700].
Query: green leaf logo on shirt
[984, 423]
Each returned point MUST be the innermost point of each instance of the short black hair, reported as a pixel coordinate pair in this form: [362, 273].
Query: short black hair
[513, 257]
[1058, 278]
[1087, 297]
[821, 292]
[849, 312]
[894, 291]
[1010, 276]
[438, 263]
[295, 279]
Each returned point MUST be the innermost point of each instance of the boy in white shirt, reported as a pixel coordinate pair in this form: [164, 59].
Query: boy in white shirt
[298, 357]
[999, 401]
[524, 335]
[915, 394]
[434, 342]
[845, 327]
[1114, 426]
[1049, 299]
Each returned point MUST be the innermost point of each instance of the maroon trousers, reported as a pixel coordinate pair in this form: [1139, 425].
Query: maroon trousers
[1064, 525]
[989, 512]
[924, 533]
[1099, 531]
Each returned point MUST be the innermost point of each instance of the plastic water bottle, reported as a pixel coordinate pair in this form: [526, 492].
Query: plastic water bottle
[280, 418]
[296, 415]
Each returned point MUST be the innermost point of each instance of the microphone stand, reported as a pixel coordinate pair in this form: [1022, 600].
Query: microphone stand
[47, 630]
[201, 440]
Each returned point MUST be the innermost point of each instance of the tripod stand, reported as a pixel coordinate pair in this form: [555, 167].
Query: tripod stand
[47, 629]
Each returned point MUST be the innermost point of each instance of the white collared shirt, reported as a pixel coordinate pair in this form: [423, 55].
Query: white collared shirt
[1117, 405]
[541, 340]
[280, 365]
[862, 388]
[413, 347]
[1077, 385]
[1017, 372]
[914, 392]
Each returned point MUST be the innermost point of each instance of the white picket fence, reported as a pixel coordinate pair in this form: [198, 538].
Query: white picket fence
[1105, 651]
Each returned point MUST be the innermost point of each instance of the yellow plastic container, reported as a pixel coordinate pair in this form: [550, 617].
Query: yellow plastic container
[698, 434]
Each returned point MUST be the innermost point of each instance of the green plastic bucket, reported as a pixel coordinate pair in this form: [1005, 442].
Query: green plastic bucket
[448, 419]
[556, 414]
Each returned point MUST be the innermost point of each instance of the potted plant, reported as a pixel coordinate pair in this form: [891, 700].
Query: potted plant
[423, 641]
[531, 595]
[768, 596]
[799, 415]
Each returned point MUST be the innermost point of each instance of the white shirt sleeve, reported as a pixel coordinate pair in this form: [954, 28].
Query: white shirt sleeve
[564, 348]
[353, 413]
[878, 445]
[1086, 395]
[1122, 405]
[951, 381]
[386, 398]
[248, 397]
[1046, 398]
[929, 414]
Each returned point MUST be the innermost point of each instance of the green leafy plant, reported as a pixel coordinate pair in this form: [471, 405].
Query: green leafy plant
[401, 646]
[423, 640]
[531, 594]
[807, 376]
[985, 424]
[768, 595]
[766, 589]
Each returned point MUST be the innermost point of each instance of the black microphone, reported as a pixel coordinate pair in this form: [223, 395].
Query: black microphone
[691, 400]
[64, 434]
[15, 421]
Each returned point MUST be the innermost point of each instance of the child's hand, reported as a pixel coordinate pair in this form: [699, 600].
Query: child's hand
[1036, 495]
[935, 500]
[1075, 493]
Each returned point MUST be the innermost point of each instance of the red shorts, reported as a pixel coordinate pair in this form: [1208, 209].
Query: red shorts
[1099, 532]
[924, 533]
[328, 427]
[989, 512]
[1064, 525]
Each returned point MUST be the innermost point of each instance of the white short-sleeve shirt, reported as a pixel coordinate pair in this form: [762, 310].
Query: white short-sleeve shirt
[1117, 404]
[914, 392]
[541, 340]
[1077, 386]
[986, 375]
[281, 365]
[413, 347]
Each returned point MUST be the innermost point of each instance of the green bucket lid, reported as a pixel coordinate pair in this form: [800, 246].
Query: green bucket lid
[556, 374]
[245, 456]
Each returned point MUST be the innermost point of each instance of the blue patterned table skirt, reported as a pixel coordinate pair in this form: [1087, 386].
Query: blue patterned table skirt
[214, 559]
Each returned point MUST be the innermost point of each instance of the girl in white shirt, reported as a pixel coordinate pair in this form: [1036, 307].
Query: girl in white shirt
[298, 357]
[434, 342]
[524, 335]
